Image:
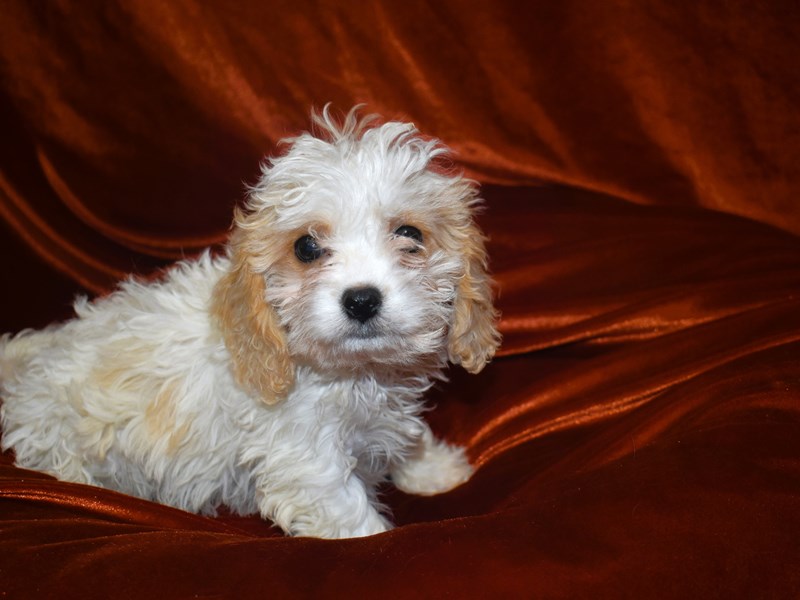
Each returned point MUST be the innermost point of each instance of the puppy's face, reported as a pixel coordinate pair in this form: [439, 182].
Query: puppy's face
[360, 276]
[366, 253]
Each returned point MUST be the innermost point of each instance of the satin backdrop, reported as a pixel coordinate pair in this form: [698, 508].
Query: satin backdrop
[639, 434]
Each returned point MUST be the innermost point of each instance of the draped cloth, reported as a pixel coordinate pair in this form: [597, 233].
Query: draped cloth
[638, 434]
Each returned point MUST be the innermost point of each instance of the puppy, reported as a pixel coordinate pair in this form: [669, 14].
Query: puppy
[285, 377]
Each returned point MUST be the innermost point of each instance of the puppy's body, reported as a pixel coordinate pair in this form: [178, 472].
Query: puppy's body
[286, 377]
[150, 407]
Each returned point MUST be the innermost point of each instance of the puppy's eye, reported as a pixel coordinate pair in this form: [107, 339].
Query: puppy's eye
[307, 249]
[409, 231]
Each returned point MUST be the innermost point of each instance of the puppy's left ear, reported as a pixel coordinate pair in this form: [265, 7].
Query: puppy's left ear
[251, 330]
[473, 337]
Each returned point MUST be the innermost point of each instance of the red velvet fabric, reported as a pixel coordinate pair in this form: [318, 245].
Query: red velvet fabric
[639, 435]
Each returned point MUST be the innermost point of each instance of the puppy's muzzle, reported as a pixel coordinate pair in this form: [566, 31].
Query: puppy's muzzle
[361, 303]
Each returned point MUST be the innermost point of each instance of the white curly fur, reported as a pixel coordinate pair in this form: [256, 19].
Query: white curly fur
[241, 380]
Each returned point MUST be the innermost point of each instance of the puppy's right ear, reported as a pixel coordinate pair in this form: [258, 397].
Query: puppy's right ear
[473, 337]
[251, 329]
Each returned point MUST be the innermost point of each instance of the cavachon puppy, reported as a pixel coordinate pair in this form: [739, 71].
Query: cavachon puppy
[285, 377]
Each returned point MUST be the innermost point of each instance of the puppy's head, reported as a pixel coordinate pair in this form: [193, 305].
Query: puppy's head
[355, 251]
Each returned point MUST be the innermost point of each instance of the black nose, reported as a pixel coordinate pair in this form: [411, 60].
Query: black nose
[361, 303]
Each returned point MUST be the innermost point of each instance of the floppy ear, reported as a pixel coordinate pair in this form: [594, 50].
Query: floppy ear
[473, 337]
[251, 330]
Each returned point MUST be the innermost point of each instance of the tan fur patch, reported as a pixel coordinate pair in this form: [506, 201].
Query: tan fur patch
[161, 419]
[118, 368]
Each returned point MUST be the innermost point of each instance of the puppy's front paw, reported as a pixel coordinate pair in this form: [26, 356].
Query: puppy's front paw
[373, 524]
[438, 467]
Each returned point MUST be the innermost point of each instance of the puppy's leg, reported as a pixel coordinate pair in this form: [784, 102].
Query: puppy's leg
[323, 500]
[434, 467]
